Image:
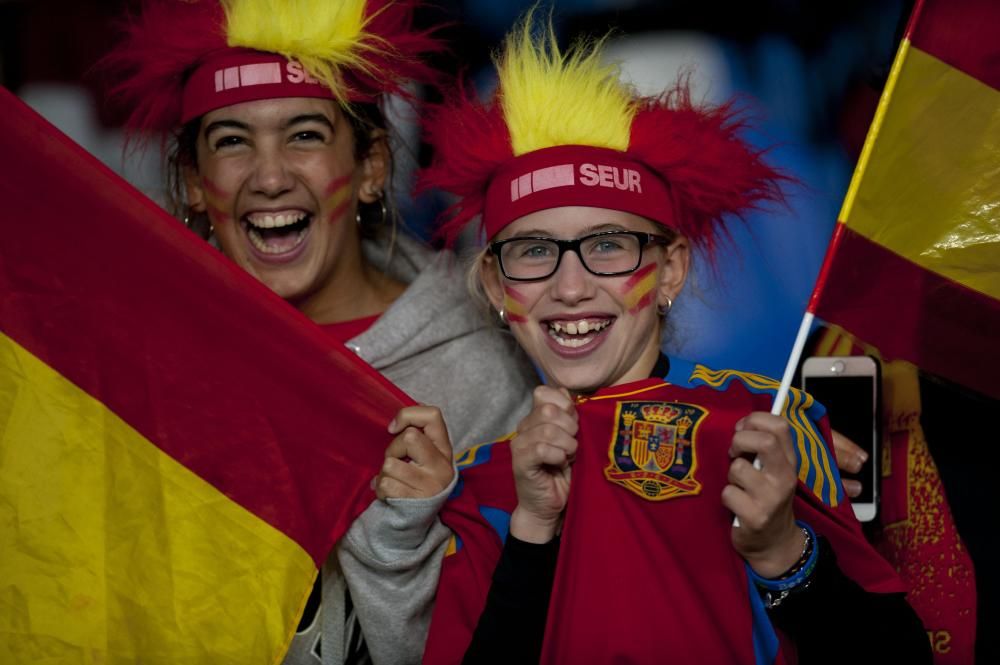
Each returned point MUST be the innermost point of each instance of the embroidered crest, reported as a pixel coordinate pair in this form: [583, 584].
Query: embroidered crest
[653, 449]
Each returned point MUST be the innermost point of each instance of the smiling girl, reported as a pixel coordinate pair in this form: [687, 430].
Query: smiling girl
[280, 156]
[613, 539]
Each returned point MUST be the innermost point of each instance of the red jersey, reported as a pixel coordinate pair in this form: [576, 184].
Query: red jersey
[647, 571]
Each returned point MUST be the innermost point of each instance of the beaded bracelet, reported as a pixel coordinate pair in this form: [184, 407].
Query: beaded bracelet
[795, 576]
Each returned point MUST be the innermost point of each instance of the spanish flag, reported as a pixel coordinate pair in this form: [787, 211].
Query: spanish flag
[179, 448]
[914, 265]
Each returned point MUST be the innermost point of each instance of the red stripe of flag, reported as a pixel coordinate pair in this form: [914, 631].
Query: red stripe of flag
[940, 325]
[962, 33]
[201, 359]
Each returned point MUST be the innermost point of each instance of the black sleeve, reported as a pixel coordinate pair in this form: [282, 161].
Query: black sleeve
[834, 620]
[512, 625]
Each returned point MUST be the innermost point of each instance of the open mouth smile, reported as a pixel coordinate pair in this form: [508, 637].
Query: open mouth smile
[577, 333]
[277, 235]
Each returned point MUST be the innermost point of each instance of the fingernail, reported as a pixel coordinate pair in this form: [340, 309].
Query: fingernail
[392, 426]
[739, 424]
[863, 457]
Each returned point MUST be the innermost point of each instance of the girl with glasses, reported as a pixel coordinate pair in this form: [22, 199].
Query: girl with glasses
[603, 530]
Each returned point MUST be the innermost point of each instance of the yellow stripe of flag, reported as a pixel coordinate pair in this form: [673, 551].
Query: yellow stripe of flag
[934, 167]
[103, 557]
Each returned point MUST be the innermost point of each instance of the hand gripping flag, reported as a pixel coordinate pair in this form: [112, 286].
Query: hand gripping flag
[914, 265]
[179, 449]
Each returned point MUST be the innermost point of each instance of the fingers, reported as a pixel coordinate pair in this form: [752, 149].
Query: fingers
[551, 407]
[852, 488]
[756, 494]
[418, 462]
[426, 418]
[558, 397]
[850, 456]
[764, 436]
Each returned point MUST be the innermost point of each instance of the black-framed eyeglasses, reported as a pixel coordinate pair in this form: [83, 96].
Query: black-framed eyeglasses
[605, 254]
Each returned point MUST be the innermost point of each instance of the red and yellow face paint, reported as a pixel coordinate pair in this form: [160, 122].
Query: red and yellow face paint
[513, 305]
[214, 196]
[337, 196]
[640, 289]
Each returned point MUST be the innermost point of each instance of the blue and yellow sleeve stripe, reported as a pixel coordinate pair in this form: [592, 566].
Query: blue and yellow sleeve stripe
[817, 469]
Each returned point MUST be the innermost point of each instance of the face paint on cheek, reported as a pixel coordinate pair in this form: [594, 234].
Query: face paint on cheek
[337, 196]
[214, 196]
[640, 289]
[513, 305]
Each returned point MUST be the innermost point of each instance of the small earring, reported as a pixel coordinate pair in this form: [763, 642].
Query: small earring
[383, 212]
[502, 313]
[663, 310]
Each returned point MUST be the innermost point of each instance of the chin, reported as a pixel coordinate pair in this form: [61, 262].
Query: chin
[577, 381]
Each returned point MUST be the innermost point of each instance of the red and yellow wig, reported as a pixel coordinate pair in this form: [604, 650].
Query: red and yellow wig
[563, 129]
[183, 58]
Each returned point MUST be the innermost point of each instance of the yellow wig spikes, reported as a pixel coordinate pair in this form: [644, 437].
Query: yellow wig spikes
[552, 98]
[324, 35]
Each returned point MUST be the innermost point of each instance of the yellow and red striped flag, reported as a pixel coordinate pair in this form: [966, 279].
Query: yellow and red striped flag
[179, 448]
[914, 264]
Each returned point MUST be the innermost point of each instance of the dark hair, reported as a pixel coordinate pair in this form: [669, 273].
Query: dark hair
[368, 125]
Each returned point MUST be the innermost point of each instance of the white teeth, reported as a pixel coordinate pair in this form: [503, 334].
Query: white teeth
[572, 343]
[581, 327]
[263, 247]
[268, 221]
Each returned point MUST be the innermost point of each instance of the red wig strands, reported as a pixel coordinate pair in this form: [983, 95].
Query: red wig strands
[471, 142]
[712, 172]
[160, 48]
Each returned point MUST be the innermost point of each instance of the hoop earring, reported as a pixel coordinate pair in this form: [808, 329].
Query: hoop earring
[383, 212]
[190, 221]
[502, 313]
[663, 310]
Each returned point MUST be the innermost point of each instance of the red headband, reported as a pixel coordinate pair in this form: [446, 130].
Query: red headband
[574, 175]
[237, 75]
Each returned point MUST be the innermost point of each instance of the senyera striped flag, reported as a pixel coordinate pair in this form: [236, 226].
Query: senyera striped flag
[179, 448]
[914, 265]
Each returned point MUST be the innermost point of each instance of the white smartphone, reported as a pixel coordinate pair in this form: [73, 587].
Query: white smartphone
[850, 389]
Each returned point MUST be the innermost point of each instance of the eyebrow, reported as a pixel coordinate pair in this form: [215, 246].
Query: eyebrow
[224, 124]
[597, 228]
[295, 120]
[309, 117]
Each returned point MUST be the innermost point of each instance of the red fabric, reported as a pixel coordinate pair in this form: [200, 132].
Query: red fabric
[235, 76]
[348, 330]
[637, 580]
[962, 33]
[935, 323]
[196, 355]
[574, 175]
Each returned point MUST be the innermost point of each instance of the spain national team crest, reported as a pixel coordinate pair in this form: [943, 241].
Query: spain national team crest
[653, 449]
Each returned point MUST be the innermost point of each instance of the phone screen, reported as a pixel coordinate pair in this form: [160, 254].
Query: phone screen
[849, 401]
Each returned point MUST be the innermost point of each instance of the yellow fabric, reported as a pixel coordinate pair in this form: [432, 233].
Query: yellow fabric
[929, 188]
[551, 98]
[103, 550]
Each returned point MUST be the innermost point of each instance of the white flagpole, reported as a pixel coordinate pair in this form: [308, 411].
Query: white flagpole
[786, 381]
